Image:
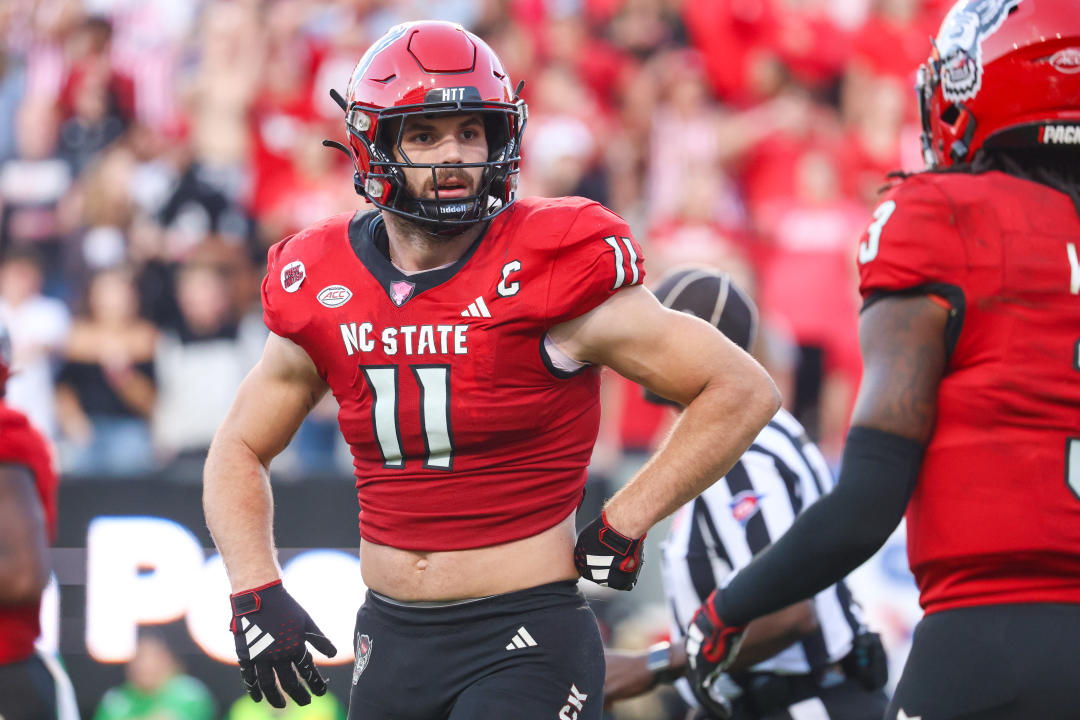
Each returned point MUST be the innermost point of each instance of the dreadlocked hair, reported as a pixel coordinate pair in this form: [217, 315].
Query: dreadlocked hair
[1052, 167]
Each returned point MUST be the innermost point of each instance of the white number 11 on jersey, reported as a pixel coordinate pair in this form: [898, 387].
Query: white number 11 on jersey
[434, 382]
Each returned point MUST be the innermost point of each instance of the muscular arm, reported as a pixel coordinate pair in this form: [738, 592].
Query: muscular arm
[270, 405]
[24, 547]
[903, 348]
[728, 397]
[902, 340]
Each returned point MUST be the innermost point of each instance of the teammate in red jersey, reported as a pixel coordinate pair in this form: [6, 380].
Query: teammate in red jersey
[32, 684]
[969, 412]
[460, 331]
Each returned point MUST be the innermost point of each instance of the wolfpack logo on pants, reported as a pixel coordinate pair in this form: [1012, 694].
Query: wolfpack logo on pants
[364, 644]
[574, 704]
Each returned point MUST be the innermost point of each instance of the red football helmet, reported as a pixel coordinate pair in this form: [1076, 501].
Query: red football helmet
[1003, 73]
[422, 68]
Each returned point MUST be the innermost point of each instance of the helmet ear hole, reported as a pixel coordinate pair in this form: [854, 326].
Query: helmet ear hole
[386, 135]
[496, 132]
[950, 115]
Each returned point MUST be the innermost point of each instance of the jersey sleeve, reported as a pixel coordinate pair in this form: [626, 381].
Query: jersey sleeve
[283, 271]
[911, 243]
[597, 257]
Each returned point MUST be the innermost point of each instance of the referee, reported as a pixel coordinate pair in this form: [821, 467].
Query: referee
[811, 661]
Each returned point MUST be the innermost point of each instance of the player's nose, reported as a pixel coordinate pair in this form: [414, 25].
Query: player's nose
[451, 150]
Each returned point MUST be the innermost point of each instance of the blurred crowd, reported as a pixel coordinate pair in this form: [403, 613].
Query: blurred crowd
[152, 150]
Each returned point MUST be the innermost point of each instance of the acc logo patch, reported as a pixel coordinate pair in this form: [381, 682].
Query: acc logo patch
[745, 505]
[1066, 61]
[960, 44]
[364, 645]
[333, 296]
[292, 276]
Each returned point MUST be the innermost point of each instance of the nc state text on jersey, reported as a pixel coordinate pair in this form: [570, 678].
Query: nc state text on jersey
[407, 339]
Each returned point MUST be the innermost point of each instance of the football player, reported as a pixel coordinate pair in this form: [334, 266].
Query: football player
[968, 416]
[33, 686]
[461, 330]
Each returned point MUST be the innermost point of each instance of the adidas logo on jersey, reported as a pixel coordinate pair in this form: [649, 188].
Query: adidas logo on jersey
[521, 639]
[477, 308]
[256, 639]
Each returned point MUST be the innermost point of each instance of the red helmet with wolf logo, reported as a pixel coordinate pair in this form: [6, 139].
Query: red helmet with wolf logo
[1003, 73]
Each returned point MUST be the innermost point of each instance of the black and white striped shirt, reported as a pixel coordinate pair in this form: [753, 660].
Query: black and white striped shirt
[720, 531]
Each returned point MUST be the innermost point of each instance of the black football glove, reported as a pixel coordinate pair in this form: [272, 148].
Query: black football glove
[607, 557]
[270, 630]
[711, 646]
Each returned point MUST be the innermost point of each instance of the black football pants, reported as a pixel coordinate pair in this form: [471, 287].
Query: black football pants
[535, 654]
[846, 701]
[27, 691]
[995, 662]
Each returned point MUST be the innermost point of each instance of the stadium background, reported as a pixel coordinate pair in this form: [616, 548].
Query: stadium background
[151, 150]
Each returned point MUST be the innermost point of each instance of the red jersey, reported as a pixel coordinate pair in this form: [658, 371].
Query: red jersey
[463, 433]
[995, 517]
[21, 444]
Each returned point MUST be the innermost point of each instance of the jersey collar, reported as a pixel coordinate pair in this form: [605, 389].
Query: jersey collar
[368, 238]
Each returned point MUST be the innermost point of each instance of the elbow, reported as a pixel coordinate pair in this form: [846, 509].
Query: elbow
[750, 394]
[762, 399]
[771, 396]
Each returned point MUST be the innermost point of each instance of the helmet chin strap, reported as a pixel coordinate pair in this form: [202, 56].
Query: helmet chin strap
[960, 148]
[431, 214]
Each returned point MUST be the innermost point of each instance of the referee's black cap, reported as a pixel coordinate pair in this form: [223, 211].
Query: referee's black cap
[713, 296]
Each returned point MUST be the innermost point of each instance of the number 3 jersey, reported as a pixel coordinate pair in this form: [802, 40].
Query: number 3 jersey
[463, 431]
[995, 517]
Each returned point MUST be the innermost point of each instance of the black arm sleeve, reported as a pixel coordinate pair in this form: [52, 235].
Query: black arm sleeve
[834, 535]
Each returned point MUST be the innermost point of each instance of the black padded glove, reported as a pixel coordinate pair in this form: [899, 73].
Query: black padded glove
[271, 631]
[711, 645]
[607, 557]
